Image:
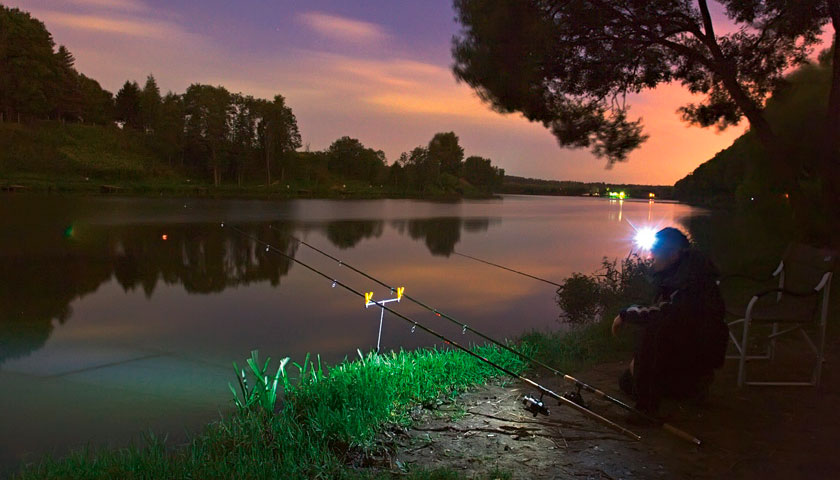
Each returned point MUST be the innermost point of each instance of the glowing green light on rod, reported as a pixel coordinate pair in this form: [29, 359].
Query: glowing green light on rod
[69, 231]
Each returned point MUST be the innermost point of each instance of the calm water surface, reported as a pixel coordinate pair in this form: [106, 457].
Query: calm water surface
[107, 329]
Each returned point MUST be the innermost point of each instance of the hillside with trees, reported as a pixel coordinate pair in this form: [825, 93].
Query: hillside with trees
[735, 175]
[59, 129]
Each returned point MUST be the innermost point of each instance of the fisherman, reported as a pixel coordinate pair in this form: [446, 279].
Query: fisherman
[681, 337]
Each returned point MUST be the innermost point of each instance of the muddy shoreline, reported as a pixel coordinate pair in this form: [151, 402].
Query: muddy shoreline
[766, 433]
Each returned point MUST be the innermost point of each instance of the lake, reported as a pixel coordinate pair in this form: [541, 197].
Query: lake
[123, 315]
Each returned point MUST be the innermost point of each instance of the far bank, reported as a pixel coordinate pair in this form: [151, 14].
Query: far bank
[50, 156]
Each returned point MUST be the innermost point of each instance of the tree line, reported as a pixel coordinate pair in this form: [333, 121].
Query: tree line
[212, 131]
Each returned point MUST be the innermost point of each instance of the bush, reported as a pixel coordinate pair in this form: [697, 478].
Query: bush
[584, 298]
[579, 298]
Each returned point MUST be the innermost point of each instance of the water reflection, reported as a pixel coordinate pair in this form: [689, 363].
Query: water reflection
[346, 234]
[617, 215]
[38, 285]
[441, 234]
[39, 289]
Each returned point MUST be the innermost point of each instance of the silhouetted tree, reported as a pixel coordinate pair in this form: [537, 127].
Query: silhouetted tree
[149, 105]
[570, 65]
[278, 132]
[396, 175]
[244, 137]
[170, 132]
[68, 101]
[348, 157]
[28, 67]
[207, 129]
[127, 105]
[422, 169]
[444, 148]
[482, 174]
[97, 103]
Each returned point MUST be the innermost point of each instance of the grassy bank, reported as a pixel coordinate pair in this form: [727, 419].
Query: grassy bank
[49, 157]
[327, 425]
[186, 187]
[329, 422]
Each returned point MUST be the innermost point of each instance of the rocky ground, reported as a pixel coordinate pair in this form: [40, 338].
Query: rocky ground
[754, 432]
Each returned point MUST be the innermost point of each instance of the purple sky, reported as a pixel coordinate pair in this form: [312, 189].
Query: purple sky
[376, 70]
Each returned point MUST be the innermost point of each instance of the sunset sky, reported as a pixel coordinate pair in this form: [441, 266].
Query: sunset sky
[376, 70]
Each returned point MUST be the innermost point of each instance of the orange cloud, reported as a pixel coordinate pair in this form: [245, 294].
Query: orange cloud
[342, 28]
[127, 5]
[103, 24]
[429, 104]
[398, 85]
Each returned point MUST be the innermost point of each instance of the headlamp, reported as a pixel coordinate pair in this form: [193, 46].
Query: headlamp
[645, 238]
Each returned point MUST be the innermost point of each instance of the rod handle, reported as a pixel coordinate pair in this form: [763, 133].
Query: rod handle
[679, 433]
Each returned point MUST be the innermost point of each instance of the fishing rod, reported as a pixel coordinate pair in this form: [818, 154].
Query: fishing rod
[533, 405]
[580, 385]
[508, 269]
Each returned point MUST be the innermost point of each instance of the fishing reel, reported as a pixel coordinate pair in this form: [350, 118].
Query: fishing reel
[575, 397]
[535, 406]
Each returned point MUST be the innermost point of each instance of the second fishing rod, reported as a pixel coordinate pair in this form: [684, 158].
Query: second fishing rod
[580, 385]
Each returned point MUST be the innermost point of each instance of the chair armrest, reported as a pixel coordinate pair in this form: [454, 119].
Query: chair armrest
[748, 277]
[755, 279]
[785, 291]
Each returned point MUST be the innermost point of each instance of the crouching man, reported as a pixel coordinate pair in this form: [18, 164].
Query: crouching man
[682, 336]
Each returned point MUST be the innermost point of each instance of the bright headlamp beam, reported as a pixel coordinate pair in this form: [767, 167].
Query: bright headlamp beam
[645, 238]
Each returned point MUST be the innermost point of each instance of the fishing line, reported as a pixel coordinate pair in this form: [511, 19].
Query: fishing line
[580, 385]
[508, 269]
[543, 390]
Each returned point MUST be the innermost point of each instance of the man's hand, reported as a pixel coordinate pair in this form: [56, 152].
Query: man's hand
[617, 322]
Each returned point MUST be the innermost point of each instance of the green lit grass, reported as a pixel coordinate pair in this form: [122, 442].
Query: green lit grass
[327, 423]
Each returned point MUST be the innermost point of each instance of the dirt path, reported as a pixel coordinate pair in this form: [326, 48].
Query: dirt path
[766, 433]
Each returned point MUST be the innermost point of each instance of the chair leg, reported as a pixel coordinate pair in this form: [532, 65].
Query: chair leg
[771, 347]
[742, 363]
[823, 322]
[734, 341]
[820, 355]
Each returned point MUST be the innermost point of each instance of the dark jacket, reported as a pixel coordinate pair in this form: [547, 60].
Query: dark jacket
[687, 313]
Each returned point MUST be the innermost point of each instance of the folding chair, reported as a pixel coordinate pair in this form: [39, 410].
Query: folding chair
[800, 301]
